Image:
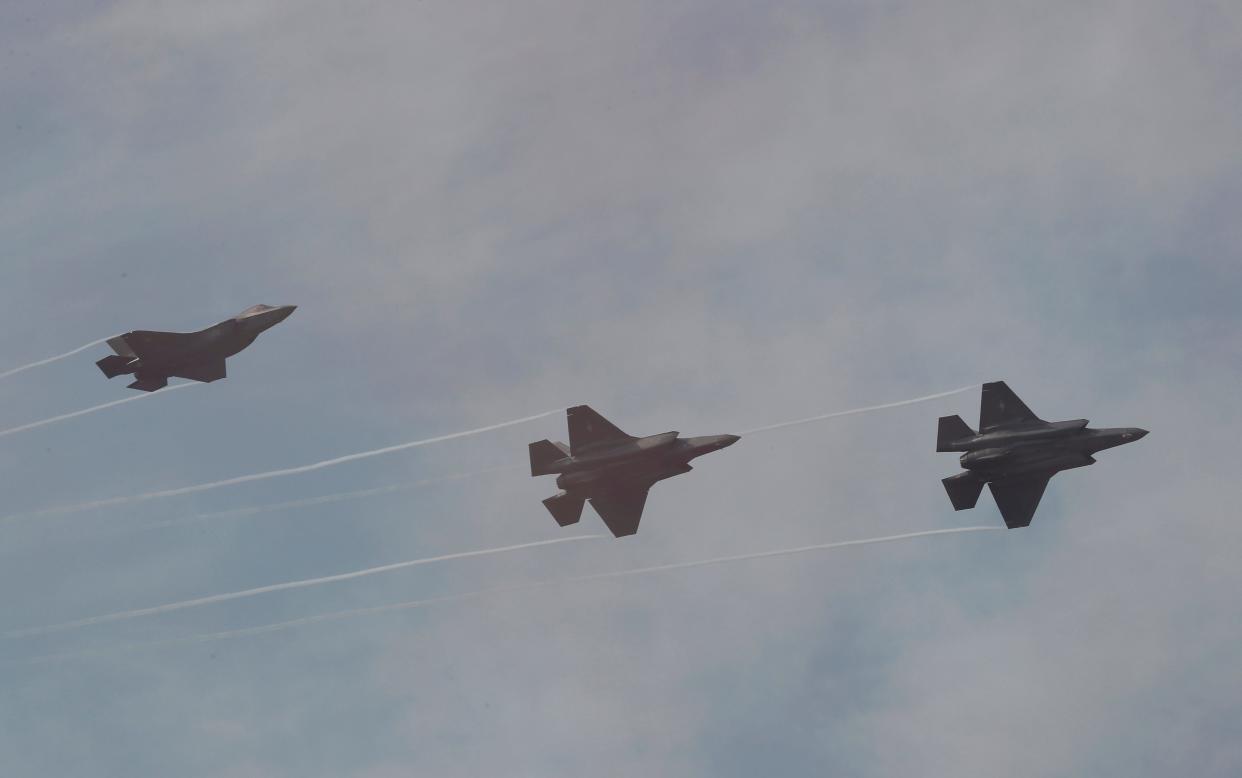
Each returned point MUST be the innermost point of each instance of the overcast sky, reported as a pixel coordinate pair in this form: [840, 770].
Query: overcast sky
[693, 215]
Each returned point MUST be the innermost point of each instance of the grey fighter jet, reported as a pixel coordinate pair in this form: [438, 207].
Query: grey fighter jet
[612, 469]
[1015, 452]
[154, 357]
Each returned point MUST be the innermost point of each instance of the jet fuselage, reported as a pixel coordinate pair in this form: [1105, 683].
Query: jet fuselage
[1060, 446]
[154, 357]
[652, 458]
[613, 470]
[1015, 453]
[220, 341]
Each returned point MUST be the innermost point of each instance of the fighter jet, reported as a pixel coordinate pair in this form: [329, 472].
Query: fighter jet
[154, 357]
[1015, 452]
[612, 469]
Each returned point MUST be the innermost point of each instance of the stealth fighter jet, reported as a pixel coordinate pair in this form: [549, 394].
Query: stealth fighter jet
[612, 469]
[154, 357]
[1016, 453]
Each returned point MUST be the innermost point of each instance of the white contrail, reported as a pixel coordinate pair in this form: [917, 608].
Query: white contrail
[255, 510]
[780, 552]
[93, 409]
[302, 584]
[401, 447]
[56, 358]
[323, 499]
[854, 411]
[412, 604]
[241, 479]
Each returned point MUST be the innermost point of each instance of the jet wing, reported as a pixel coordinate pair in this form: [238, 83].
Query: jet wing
[1018, 498]
[202, 371]
[587, 428]
[622, 510]
[999, 406]
[155, 346]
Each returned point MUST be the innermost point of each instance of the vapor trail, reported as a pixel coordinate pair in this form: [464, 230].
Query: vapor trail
[302, 584]
[56, 358]
[323, 499]
[854, 411]
[412, 604]
[242, 479]
[93, 409]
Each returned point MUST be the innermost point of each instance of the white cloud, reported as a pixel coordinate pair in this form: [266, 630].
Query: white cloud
[702, 216]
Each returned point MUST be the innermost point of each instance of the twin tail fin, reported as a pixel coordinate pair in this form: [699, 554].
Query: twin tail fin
[544, 454]
[953, 434]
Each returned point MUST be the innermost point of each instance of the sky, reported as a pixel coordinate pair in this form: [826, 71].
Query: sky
[692, 215]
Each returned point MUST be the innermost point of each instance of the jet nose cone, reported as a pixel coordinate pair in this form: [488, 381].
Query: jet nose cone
[1139, 433]
[729, 440]
[282, 312]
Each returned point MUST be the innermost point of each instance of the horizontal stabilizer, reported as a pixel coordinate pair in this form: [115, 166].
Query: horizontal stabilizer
[115, 365]
[952, 434]
[566, 508]
[964, 490]
[544, 454]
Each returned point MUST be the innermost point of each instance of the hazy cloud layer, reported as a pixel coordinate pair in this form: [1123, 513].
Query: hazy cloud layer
[692, 215]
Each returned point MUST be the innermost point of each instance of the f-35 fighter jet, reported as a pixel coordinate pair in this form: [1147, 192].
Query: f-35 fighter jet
[612, 469]
[1016, 453]
[154, 357]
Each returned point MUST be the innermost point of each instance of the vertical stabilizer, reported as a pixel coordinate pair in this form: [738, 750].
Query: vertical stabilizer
[587, 428]
[952, 434]
[149, 383]
[1000, 407]
[544, 454]
[115, 365]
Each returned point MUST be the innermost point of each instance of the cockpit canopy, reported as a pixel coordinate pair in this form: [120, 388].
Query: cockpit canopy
[255, 310]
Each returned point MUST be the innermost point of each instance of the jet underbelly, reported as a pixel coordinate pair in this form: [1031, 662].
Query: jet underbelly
[986, 458]
[622, 472]
[1055, 460]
